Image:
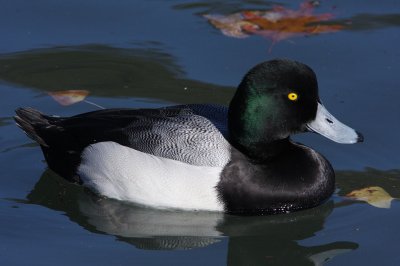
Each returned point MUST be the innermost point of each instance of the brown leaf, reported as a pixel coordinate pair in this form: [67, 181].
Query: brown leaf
[69, 97]
[276, 24]
[375, 196]
[231, 25]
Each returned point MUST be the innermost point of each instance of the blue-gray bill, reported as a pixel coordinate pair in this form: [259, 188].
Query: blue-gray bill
[328, 126]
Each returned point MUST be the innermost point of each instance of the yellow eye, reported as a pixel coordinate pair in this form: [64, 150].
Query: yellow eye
[292, 96]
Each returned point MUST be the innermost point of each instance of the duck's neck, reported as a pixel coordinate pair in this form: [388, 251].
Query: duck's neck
[253, 127]
[263, 152]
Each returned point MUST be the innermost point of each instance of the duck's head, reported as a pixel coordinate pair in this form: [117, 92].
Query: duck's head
[278, 98]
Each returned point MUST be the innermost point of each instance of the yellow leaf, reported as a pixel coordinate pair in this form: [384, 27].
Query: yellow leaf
[68, 97]
[375, 196]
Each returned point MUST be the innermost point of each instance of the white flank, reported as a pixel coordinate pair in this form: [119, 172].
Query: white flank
[122, 173]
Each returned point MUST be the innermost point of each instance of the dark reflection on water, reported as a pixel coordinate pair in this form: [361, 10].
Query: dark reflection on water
[252, 240]
[224, 6]
[108, 71]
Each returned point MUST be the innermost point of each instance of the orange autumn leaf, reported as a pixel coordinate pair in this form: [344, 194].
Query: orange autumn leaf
[69, 97]
[300, 24]
[375, 196]
[277, 24]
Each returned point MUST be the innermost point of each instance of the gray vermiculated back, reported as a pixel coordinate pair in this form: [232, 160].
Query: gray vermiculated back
[194, 136]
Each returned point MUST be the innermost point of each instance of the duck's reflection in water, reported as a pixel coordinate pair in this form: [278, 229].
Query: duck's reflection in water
[149, 228]
[252, 240]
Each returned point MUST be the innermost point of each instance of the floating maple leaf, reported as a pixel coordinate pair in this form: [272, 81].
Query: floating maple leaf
[375, 196]
[276, 24]
[69, 97]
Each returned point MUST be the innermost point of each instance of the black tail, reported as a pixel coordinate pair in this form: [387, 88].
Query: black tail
[59, 149]
[31, 121]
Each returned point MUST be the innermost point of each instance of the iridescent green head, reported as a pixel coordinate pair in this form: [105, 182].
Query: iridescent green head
[278, 98]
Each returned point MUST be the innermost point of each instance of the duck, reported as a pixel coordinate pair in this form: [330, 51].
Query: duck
[238, 159]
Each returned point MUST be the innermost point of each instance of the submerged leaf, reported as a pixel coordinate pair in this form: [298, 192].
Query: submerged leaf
[231, 25]
[69, 97]
[276, 24]
[375, 196]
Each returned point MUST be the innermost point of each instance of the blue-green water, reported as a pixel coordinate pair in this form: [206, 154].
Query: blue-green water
[154, 53]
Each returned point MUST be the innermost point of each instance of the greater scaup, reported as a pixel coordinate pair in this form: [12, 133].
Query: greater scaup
[202, 156]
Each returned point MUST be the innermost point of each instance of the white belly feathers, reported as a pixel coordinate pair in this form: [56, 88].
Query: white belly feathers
[122, 173]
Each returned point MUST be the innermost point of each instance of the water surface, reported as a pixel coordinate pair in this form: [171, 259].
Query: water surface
[155, 53]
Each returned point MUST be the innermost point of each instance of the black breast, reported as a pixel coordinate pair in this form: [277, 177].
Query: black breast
[297, 178]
